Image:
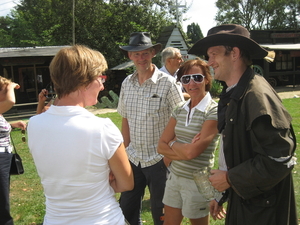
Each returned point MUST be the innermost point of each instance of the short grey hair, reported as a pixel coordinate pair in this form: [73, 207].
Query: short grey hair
[167, 53]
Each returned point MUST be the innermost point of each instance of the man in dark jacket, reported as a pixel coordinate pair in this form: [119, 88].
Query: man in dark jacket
[258, 141]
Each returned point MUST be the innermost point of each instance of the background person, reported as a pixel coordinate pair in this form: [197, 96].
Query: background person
[146, 101]
[198, 114]
[42, 106]
[258, 139]
[7, 100]
[171, 59]
[86, 162]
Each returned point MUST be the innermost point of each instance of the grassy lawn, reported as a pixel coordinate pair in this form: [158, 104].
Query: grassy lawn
[27, 199]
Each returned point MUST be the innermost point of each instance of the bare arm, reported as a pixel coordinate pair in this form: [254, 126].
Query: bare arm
[125, 131]
[190, 151]
[8, 98]
[163, 143]
[20, 124]
[121, 177]
[41, 103]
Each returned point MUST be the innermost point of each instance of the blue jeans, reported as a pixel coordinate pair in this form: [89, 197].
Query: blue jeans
[5, 162]
[131, 201]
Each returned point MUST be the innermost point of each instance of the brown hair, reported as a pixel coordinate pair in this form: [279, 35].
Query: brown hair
[74, 67]
[245, 56]
[187, 65]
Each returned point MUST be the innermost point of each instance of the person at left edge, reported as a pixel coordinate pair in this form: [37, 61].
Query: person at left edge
[146, 101]
[7, 100]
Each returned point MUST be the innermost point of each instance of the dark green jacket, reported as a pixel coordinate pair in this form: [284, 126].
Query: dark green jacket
[256, 134]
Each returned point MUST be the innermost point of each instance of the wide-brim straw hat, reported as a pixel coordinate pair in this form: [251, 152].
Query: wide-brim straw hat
[229, 35]
[140, 41]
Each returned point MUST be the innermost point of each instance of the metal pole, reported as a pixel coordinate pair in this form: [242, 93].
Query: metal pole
[73, 22]
[177, 14]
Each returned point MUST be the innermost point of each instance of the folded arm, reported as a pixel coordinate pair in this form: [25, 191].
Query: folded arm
[186, 151]
[121, 176]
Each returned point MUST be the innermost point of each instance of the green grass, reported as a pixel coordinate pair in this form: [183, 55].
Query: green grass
[27, 199]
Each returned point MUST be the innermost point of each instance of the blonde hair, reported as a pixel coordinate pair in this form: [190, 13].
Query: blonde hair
[74, 67]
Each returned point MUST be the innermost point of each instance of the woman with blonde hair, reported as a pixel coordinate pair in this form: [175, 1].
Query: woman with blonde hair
[85, 163]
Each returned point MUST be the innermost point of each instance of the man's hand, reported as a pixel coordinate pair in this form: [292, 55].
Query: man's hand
[216, 211]
[218, 179]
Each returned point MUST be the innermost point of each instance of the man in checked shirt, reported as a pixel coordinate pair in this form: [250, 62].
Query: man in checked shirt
[146, 101]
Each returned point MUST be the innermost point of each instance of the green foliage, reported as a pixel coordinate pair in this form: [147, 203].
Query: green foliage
[260, 14]
[107, 103]
[194, 33]
[5, 39]
[216, 89]
[115, 118]
[26, 192]
[101, 25]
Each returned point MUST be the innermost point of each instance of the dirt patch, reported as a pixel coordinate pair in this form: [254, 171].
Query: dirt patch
[288, 91]
[102, 111]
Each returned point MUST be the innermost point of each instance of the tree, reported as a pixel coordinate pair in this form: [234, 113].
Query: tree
[194, 33]
[100, 24]
[5, 24]
[260, 14]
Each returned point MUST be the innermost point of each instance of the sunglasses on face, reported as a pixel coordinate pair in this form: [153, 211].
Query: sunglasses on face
[198, 78]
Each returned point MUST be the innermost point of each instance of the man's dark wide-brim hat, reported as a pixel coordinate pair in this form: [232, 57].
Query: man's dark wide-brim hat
[229, 35]
[140, 41]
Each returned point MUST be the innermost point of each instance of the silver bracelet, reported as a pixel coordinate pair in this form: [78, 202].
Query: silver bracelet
[171, 144]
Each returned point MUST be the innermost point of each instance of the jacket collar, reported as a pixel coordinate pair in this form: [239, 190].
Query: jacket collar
[242, 85]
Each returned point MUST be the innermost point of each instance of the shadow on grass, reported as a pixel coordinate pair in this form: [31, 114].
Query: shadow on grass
[146, 212]
[146, 205]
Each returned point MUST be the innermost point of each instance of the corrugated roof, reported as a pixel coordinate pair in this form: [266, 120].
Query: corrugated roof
[165, 35]
[30, 51]
[281, 46]
[123, 66]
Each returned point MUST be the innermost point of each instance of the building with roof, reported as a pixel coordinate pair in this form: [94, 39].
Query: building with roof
[28, 67]
[286, 66]
[171, 36]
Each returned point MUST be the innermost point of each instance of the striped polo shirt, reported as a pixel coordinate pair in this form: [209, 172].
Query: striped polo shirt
[187, 127]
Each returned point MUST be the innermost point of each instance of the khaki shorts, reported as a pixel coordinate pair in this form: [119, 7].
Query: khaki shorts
[182, 193]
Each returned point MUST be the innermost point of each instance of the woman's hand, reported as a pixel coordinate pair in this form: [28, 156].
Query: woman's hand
[111, 177]
[15, 85]
[20, 124]
[167, 161]
[42, 95]
[196, 138]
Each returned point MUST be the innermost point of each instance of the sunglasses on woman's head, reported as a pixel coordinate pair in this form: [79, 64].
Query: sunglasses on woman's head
[198, 78]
